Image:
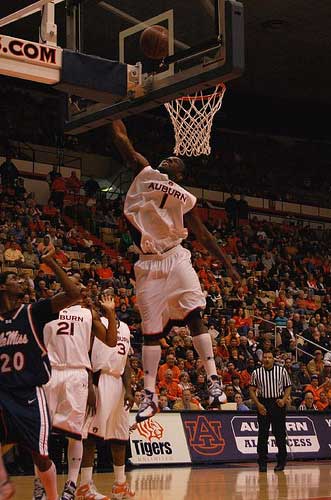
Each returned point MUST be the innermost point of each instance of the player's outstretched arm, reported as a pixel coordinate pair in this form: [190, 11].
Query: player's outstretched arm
[71, 292]
[107, 335]
[195, 224]
[134, 160]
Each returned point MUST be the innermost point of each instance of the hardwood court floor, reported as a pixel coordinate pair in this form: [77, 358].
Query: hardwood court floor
[300, 481]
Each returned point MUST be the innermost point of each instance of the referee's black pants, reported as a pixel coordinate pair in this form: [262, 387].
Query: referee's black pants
[275, 416]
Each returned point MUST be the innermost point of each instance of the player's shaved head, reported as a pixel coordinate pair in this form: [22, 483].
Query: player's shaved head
[174, 167]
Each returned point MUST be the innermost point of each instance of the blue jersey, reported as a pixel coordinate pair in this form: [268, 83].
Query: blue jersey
[23, 357]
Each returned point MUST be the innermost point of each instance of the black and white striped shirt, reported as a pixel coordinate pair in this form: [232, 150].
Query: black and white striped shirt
[271, 383]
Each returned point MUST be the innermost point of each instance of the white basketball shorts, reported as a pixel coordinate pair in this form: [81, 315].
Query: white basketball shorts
[66, 395]
[167, 287]
[111, 420]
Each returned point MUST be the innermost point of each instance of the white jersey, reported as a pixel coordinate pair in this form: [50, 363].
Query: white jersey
[68, 339]
[112, 359]
[155, 206]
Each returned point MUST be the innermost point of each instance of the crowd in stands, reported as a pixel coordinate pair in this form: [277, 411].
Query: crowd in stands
[285, 291]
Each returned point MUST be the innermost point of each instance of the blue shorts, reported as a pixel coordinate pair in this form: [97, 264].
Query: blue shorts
[24, 419]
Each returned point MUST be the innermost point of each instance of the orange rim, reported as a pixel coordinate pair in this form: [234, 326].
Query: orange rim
[203, 97]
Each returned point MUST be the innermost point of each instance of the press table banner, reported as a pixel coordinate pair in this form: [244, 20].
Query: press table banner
[200, 437]
[159, 440]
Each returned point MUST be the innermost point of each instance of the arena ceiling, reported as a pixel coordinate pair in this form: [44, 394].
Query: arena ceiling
[288, 70]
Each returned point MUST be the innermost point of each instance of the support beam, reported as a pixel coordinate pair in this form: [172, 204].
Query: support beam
[48, 28]
[26, 11]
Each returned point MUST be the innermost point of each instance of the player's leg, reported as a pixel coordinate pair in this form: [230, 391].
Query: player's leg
[75, 453]
[152, 303]
[95, 428]
[118, 434]
[71, 417]
[87, 489]
[47, 474]
[186, 301]
[7, 489]
[203, 345]
[51, 392]
[121, 488]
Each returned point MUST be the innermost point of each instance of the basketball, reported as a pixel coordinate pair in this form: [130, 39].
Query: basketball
[154, 42]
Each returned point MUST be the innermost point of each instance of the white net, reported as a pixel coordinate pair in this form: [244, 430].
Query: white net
[192, 119]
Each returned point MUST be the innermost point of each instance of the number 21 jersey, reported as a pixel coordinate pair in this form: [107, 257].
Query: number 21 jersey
[68, 338]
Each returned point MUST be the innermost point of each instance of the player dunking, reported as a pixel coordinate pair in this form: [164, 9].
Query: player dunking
[111, 421]
[24, 368]
[167, 285]
[68, 340]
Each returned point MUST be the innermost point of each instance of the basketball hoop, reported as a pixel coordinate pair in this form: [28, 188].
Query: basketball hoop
[192, 119]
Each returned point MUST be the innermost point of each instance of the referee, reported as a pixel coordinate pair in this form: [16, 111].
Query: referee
[270, 388]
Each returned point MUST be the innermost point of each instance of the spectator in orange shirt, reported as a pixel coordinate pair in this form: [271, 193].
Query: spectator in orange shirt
[222, 350]
[245, 375]
[323, 402]
[58, 191]
[104, 272]
[169, 365]
[305, 305]
[232, 335]
[73, 183]
[60, 257]
[187, 402]
[241, 321]
[122, 298]
[228, 373]
[135, 368]
[313, 387]
[45, 246]
[174, 391]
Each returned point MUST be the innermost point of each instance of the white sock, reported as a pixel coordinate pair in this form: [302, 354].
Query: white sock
[202, 344]
[151, 359]
[49, 482]
[75, 454]
[119, 472]
[86, 475]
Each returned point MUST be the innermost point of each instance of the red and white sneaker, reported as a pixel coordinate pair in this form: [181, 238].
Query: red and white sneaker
[121, 491]
[89, 492]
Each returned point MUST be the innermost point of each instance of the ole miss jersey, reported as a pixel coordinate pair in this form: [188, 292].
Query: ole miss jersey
[23, 357]
[155, 207]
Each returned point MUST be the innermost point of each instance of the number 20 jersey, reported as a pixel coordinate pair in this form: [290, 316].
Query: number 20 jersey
[23, 357]
[68, 338]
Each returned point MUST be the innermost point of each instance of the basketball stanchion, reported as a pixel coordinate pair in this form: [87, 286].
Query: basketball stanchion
[192, 119]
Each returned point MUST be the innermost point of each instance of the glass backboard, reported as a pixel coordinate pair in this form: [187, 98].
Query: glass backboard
[205, 46]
